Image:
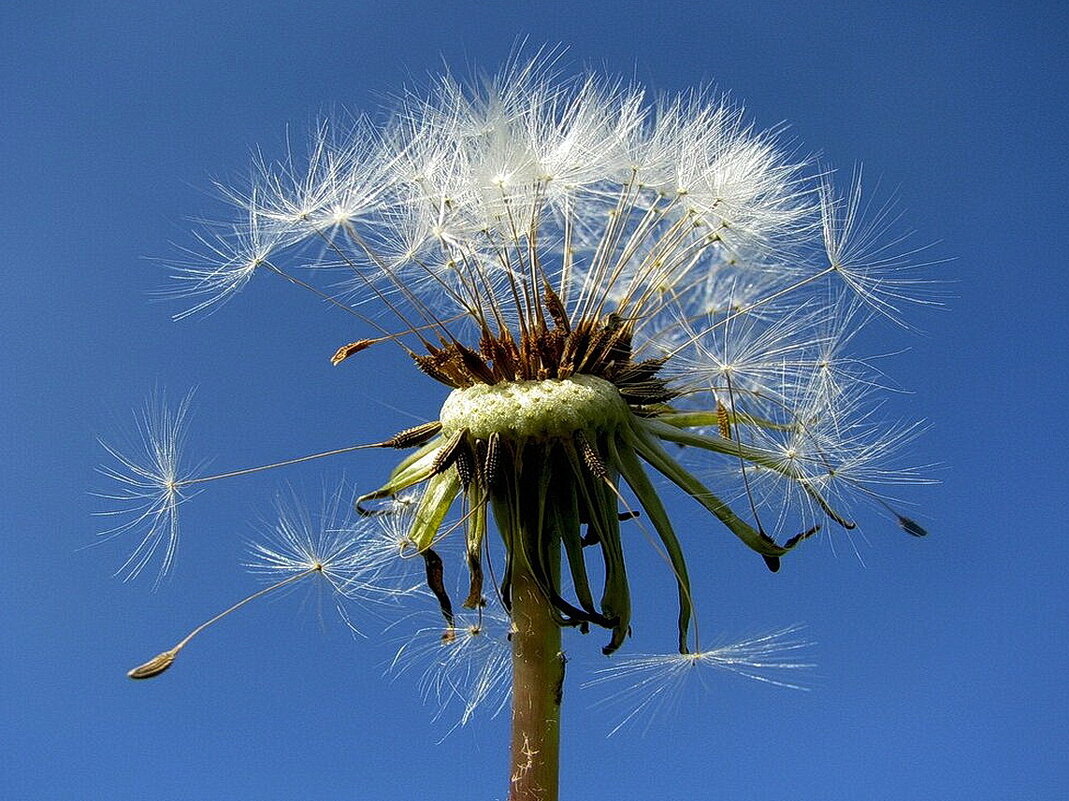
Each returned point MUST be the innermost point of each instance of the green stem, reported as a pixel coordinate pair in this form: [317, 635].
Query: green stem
[537, 686]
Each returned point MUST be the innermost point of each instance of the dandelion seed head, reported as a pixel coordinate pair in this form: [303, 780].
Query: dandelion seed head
[593, 275]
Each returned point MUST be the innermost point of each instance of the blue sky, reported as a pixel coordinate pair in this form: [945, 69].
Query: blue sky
[941, 661]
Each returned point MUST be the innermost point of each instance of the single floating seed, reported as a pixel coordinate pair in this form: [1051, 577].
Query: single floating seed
[912, 527]
[154, 666]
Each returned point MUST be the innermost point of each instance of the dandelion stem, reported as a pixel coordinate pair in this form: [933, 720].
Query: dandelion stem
[537, 686]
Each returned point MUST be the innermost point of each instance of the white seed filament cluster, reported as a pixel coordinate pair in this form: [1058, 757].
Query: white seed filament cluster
[522, 410]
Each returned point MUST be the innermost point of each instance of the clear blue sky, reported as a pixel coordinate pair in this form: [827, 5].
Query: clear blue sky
[942, 662]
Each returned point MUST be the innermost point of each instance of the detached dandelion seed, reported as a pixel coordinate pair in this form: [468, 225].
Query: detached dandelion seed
[297, 549]
[343, 549]
[163, 661]
[152, 480]
[642, 684]
[467, 664]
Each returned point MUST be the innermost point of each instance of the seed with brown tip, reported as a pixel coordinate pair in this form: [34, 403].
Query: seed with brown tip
[154, 666]
[345, 351]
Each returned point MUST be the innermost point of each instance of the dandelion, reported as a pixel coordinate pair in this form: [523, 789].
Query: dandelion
[594, 279]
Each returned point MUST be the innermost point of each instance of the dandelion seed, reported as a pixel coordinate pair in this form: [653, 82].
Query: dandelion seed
[299, 548]
[326, 542]
[163, 661]
[152, 483]
[466, 665]
[650, 684]
[223, 264]
[865, 247]
[154, 666]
